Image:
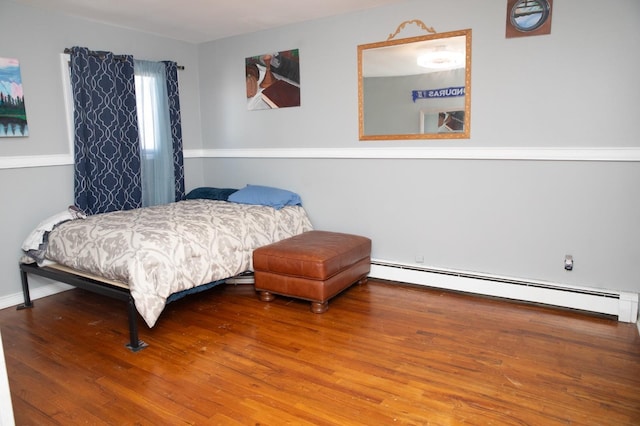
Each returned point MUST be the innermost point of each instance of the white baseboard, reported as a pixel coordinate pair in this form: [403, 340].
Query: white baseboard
[624, 305]
[34, 293]
[621, 304]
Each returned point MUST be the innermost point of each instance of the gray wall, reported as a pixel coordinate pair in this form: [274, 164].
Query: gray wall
[514, 218]
[508, 217]
[557, 90]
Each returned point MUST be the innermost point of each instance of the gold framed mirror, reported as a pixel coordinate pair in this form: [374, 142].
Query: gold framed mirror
[415, 88]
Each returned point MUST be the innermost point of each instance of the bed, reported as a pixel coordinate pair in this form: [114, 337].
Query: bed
[151, 255]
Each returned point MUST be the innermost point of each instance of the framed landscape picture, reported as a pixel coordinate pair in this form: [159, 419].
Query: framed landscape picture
[13, 117]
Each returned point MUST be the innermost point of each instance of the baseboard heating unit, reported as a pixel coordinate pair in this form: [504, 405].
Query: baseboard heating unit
[623, 305]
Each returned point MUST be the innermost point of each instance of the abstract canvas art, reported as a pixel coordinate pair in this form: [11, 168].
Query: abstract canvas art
[273, 80]
[13, 116]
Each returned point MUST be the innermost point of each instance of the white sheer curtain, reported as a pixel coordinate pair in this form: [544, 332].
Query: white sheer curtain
[156, 153]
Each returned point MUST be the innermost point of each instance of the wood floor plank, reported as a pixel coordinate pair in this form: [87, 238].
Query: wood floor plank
[383, 353]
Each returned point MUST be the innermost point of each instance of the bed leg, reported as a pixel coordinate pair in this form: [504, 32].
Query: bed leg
[134, 344]
[25, 291]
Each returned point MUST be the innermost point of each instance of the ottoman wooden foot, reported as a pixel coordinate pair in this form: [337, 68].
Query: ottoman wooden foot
[267, 296]
[319, 307]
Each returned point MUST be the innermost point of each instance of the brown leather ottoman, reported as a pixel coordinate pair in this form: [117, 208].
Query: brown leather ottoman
[314, 266]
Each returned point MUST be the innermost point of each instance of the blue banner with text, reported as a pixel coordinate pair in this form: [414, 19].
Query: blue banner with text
[447, 92]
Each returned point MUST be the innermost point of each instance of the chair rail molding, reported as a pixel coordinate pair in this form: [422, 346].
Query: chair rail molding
[615, 154]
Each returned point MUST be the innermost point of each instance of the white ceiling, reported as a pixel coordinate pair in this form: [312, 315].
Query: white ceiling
[400, 59]
[199, 21]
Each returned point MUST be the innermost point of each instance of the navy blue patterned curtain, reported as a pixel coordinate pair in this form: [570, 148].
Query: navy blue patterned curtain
[176, 126]
[107, 146]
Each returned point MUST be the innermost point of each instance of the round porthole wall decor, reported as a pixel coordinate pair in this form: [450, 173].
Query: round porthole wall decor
[528, 17]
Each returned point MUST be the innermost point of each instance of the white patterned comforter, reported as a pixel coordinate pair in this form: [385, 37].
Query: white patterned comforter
[164, 249]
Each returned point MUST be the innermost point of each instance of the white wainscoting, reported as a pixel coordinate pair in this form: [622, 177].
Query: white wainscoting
[623, 305]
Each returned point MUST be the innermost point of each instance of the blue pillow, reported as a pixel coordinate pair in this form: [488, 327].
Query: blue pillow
[265, 196]
[209, 193]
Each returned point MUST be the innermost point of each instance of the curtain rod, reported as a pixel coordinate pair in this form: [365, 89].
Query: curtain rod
[119, 57]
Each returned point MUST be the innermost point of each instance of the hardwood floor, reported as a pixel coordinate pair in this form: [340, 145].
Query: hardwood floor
[383, 354]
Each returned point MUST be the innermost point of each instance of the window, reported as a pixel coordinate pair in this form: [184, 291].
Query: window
[145, 102]
[158, 179]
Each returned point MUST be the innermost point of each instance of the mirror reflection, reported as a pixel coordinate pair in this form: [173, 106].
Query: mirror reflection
[415, 88]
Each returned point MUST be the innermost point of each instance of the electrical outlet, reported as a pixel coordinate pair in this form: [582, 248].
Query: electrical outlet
[568, 262]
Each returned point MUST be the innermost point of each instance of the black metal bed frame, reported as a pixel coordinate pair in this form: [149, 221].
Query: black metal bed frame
[89, 284]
